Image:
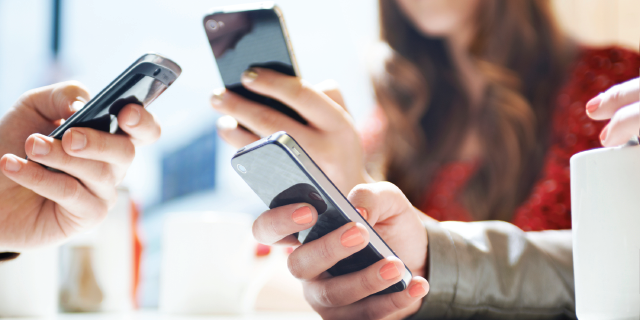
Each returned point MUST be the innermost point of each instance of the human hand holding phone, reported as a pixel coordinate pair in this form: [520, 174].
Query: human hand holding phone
[40, 207]
[330, 137]
[350, 296]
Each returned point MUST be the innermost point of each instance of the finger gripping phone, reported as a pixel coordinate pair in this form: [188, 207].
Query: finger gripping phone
[141, 83]
[280, 172]
[247, 36]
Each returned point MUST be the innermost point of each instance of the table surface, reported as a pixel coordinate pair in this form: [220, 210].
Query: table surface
[155, 315]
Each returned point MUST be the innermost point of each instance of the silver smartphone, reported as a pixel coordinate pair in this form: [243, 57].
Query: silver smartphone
[280, 172]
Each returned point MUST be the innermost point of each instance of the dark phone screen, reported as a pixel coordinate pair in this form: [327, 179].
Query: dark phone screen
[242, 40]
[101, 112]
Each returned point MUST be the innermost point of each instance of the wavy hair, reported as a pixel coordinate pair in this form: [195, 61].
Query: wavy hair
[521, 55]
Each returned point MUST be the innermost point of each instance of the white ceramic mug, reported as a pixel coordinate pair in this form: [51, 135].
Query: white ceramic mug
[605, 201]
[194, 277]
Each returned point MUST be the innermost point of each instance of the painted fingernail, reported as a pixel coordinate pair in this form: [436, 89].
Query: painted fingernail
[302, 215]
[363, 212]
[134, 117]
[40, 147]
[594, 104]
[78, 140]
[604, 133]
[217, 96]
[352, 237]
[249, 75]
[389, 271]
[417, 290]
[76, 105]
[12, 165]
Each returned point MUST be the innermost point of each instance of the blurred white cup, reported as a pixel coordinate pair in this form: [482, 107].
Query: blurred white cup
[605, 201]
[209, 264]
[29, 284]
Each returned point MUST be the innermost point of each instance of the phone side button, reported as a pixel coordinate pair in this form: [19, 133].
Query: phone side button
[241, 149]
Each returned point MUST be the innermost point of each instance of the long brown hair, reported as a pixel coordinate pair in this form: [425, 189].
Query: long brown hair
[522, 57]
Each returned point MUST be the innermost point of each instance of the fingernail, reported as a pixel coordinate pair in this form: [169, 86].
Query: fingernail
[352, 237]
[40, 147]
[76, 105]
[603, 134]
[302, 215]
[226, 123]
[134, 117]
[594, 104]
[389, 271]
[249, 75]
[417, 290]
[363, 212]
[12, 165]
[78, 140]
[217, 96]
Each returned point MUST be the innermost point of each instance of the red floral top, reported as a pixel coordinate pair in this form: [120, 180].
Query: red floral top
[549, 205]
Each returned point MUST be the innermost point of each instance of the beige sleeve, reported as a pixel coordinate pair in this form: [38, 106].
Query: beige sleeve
[494, 270]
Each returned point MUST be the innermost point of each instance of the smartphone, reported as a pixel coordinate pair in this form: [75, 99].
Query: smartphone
[280, 172]
[251, 35]
[140, 83]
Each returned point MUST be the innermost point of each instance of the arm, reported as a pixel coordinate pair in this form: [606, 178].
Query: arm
[495, 270]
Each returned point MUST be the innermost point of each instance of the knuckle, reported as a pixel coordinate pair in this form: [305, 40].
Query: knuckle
[367, 285]
[326, 297]
[105, 174]
[361, 192]
[70, 190]
[100, 143]
[301, 92]
[295, 266]
[323, 250]
[38, 177]
[269, 117]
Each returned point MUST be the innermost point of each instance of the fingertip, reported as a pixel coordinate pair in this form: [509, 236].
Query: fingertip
[130, 115]
[11, 163]
[418, 287]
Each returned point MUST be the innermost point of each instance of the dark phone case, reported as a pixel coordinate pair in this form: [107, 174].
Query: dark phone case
[108, 98]
[330, 217]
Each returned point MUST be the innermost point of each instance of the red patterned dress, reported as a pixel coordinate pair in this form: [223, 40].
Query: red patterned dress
[549, 205]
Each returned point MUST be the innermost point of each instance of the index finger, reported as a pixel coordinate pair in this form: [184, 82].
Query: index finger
[313, 105]
[276, 224]
[607, 103]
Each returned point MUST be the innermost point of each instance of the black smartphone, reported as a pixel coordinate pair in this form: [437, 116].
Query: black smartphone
[140, 83]
[251, 35]
[280, 172]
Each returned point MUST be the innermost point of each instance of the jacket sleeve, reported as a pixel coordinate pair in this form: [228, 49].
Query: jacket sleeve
[494, 270]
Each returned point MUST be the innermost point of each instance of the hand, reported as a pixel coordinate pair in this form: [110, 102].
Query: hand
[349, 296]
[38, 206]
[620, 104]
[330, 138]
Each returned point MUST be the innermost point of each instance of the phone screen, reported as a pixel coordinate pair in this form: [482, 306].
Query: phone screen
[246, 39]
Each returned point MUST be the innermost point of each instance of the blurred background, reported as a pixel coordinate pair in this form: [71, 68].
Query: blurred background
[46, 41]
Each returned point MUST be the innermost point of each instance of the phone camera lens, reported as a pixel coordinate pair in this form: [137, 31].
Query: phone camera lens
[213, 25]
[155, 73]
[241, 168]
